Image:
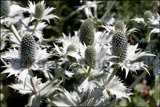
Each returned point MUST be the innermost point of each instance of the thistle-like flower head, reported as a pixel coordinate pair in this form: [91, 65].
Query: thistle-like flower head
[27, 51]
[90, 56]
[87, 32]
[119, 45]
[39, 10]
[5, 8]
[147, 15]
[71, 48]
[120, 26]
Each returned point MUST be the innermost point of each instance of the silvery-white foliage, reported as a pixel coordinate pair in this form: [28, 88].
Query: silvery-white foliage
[154, 21]
[87, 8]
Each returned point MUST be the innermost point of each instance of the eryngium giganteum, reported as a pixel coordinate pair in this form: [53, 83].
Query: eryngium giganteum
[119, 45]
[71, 48]
[39, 11]
[147, 15]
[87, 32]
[27, 51]
[5, 8]
[119, 26]
[90, 56]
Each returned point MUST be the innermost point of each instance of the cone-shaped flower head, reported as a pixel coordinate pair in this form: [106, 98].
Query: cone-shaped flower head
[71, 48]
[119, 26]
[147, 15]
[87, 32]
[119, 45]
[27, 51]
[39, 10]
[5, 8]
[90, 56]
[18, 26]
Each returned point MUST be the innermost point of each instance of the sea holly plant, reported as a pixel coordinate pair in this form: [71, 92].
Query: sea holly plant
[91, 57]
[152, 21]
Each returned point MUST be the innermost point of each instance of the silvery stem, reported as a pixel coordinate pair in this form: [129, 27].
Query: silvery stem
[13, 29]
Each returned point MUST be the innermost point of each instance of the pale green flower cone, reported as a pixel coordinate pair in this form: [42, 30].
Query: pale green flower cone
[39, 11]
[18, 26]
[71, 48]
[5, 8]
[27, 51]
[119, 45]
[119, 26]
[87, 32]
[147, 15]
[90, 56]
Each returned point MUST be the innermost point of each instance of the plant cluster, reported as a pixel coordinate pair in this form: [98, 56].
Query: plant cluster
[76, 70]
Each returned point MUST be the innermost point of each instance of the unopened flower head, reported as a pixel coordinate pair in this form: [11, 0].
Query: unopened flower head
[119, 26]
[71, 48]
[18, 25]
[27, 51]
[90, 56]
[119, 45]
[5, 8]
[147, 15]
[39, 11]
[87, 32]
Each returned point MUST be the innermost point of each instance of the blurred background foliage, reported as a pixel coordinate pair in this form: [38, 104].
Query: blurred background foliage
[70, 21]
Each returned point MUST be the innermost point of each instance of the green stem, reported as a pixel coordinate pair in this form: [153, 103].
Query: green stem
[35, 27]
[138, 79]
[84, 70]
[89, 70]
[13, 29]
[112, 74]
[149, 37]
[34, 88]
[4, 62]
[157, 84]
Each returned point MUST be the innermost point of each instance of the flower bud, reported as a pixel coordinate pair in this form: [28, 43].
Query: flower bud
[27, 51]
[90, 56]
[119, 45]
[87, 32]
[71, 48]
[147, 15]
[5, 8]
[119, 26]
[18, 26]
[39, 11]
